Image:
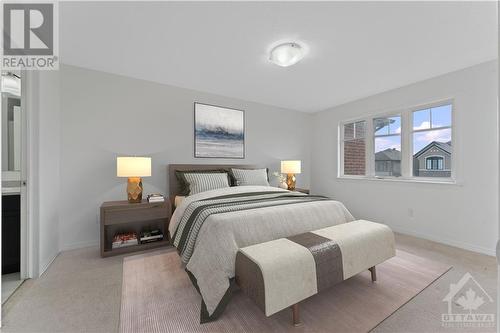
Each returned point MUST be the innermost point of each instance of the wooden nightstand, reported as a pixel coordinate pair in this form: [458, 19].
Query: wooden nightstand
[303, 190]
[122, 216]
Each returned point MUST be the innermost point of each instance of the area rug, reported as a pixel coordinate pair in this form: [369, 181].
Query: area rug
[157, 296]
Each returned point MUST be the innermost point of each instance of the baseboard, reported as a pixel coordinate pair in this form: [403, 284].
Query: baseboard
[79, 245]
[43, 268]
[65, 247]
[450, 242]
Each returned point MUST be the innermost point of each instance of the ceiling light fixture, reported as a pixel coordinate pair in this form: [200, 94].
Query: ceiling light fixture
[287, 54]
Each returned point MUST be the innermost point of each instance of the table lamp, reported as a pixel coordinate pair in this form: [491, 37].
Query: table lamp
[291, 168]
[134, 168]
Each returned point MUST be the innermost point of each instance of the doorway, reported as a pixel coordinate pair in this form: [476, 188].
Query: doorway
[13, 183]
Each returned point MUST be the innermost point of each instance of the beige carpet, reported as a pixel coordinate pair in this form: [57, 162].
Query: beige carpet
[157, 296]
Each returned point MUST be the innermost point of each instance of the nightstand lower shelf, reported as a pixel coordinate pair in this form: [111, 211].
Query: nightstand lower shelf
[135, 248]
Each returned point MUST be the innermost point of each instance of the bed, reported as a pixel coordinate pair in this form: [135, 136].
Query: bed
[208, 228]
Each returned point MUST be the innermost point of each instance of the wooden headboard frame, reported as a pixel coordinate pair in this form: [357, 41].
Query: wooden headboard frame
[173, 183]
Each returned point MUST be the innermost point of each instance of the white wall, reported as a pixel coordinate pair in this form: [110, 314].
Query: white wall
[44, 168]
[463, 215]
[105, 115]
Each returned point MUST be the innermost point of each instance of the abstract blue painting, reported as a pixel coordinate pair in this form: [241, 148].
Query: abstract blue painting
[219, 132]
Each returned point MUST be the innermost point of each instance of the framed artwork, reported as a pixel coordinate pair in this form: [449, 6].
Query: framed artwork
[219, 132]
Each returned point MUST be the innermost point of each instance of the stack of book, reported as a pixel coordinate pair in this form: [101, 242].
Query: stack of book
[156, 198]
[151, 236]
[124, 239]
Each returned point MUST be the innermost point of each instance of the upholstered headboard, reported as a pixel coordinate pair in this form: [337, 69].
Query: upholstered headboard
[173, 183]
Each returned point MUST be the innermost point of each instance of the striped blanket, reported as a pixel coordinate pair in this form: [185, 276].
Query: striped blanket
[197, 213]
[210, 227]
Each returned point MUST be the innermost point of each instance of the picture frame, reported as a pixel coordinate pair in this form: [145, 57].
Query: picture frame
[219, 132]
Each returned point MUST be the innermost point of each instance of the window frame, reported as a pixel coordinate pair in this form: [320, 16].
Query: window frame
[406, 134]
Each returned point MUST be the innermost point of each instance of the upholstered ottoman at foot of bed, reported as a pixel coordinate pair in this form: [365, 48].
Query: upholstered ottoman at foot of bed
[281, 273]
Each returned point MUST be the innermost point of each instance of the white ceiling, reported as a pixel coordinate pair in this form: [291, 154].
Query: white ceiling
[355, 49]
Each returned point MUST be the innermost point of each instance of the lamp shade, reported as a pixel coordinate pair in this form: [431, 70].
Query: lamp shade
[133, 166]
[290, 167]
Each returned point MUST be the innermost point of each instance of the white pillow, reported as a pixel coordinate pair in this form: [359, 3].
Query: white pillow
[201, 182]
[246, 177]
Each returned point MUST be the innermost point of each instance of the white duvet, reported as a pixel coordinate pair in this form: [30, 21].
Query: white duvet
[220, 237]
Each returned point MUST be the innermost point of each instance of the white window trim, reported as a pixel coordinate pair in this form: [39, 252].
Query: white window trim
[406, 146]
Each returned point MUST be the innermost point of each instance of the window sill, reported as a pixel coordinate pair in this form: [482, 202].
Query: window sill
[402, 180]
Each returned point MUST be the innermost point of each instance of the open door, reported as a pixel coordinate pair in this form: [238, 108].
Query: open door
[14, 190]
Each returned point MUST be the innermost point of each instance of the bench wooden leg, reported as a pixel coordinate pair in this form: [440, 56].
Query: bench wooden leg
[295, 314]
[374, 273]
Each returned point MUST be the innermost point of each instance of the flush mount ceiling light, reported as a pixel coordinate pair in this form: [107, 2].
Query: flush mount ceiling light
[287, 54]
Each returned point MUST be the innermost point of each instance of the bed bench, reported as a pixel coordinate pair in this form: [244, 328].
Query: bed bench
[282, 272]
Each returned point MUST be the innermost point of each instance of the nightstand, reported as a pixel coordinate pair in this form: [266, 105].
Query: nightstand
[122, 216]
[303, 190]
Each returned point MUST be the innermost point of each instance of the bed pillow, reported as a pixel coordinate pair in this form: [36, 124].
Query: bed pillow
[245, 177]
[183, 183]
[201, 182]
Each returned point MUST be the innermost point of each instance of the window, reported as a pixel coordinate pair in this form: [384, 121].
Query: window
[354, 148]
[432, 145]
[410, 144]
[434, 163]
[387, 145]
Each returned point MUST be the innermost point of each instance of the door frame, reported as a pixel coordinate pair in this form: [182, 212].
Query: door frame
[26, 270]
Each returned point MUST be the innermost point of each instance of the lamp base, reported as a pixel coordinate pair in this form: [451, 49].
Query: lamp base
[134, 189]
[290, 181]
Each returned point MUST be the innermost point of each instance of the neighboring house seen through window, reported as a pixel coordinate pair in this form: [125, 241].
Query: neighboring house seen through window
[432, 142]
[414, 143]
[387, 144]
